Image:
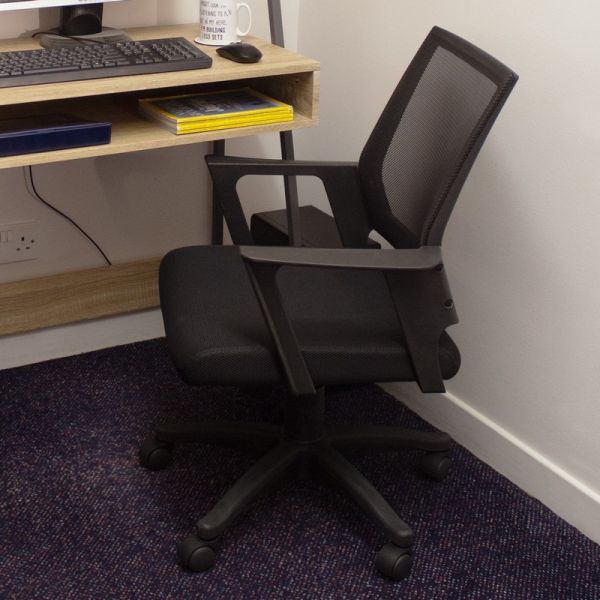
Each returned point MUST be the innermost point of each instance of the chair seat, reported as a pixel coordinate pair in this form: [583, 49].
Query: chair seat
[344, 320]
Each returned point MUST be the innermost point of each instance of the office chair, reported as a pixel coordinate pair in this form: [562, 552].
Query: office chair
[248, 315]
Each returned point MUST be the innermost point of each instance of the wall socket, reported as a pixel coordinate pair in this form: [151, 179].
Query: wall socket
[18, 242]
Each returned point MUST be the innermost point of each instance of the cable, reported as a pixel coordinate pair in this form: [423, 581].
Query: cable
[28, 171]
[77, 38]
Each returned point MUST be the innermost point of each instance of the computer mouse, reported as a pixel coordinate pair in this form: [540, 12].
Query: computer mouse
[240, 52]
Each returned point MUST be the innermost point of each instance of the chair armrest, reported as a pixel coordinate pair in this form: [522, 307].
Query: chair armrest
[418, 287]
[237, 166]
[340, 180]
[264, 282]
[426, 257]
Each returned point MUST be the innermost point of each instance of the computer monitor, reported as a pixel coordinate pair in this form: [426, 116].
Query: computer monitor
[77, 18]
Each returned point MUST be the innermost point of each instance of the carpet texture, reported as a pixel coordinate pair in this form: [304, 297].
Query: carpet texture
[80, 519]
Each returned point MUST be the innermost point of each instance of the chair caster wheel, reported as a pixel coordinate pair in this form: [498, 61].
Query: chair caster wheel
[394, 562]
[195, 554]
[435, 465]
[155, 455]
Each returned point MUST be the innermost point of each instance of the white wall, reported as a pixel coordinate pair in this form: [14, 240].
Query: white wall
[135, 206]
[522, 247]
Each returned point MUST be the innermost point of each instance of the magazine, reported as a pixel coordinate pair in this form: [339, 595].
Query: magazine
[209, 111]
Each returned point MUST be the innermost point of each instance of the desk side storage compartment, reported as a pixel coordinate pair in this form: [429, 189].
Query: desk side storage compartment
[317, 229]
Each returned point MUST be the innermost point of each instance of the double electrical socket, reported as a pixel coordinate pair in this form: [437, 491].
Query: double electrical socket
[18, 241]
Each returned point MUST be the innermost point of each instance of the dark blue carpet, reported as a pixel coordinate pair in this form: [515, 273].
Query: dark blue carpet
[79, 519]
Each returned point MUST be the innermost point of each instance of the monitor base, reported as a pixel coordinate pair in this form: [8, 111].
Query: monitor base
[108, 35]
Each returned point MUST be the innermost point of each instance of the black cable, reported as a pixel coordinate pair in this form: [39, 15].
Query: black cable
[82, 40]
[29, 175]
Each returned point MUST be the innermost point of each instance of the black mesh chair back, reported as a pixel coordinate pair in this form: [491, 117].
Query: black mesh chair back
[422, 148]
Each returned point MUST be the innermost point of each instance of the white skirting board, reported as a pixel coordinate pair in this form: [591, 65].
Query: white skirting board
[568, 497]
[76, 338]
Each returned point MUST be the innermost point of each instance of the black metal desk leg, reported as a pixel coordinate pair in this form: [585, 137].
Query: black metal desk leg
[217, 212]
[287, 140]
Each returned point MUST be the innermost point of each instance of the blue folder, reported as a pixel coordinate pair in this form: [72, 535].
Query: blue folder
[44, 133]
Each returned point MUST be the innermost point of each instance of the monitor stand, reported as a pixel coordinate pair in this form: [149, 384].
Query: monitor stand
[81, 24]
[106, 36]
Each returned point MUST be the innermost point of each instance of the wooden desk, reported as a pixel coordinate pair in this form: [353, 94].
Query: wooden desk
[92, 293]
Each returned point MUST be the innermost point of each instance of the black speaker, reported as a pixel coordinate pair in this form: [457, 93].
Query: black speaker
[81, 20]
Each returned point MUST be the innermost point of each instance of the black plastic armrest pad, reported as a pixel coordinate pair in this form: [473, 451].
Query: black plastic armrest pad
[424, 258]
[239, 166]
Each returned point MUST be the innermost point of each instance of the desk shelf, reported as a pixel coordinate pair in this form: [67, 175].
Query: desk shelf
[93, 293]
[133, 133]
[284, 75]
[276, 61]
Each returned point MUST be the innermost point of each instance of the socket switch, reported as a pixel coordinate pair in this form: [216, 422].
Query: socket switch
[18, 242]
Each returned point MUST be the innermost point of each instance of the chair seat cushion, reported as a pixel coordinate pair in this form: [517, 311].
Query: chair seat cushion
[344, 320]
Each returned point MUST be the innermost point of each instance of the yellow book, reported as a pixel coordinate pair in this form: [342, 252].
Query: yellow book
[226, 106]
[215, 124]
[182, 129]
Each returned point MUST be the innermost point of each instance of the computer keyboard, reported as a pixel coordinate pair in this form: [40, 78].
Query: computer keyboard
[96, 61]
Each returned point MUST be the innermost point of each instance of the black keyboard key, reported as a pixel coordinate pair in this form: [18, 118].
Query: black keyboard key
[62, 69]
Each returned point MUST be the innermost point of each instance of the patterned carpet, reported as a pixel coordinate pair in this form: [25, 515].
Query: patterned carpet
[79, 519]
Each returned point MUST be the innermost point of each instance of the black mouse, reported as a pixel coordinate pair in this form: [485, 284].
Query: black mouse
[240, 52]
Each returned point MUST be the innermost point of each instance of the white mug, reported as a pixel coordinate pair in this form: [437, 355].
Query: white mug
[219, 22]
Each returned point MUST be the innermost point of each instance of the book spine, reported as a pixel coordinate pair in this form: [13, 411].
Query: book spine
[199, 128]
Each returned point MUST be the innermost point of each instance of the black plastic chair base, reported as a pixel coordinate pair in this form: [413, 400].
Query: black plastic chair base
[284, 456]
